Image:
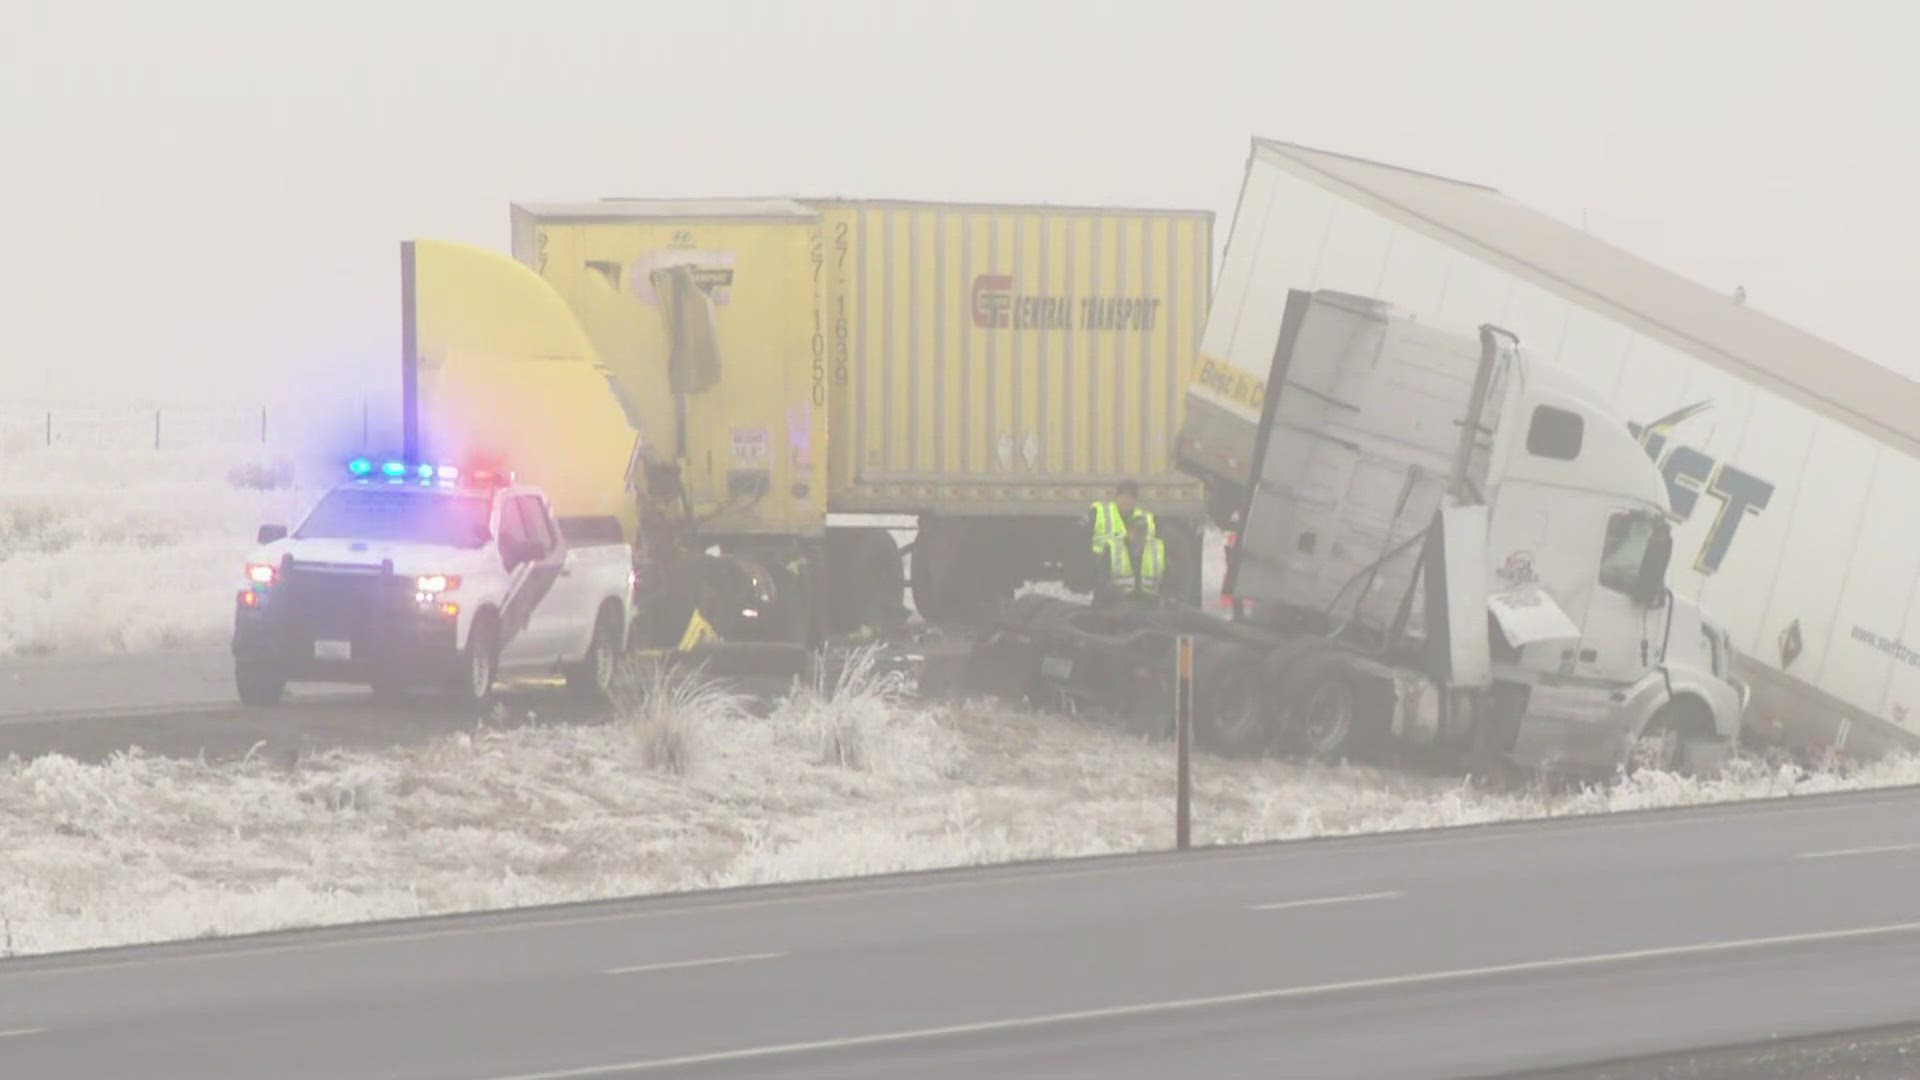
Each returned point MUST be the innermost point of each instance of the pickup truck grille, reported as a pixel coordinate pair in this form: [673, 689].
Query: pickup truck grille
[336, 602]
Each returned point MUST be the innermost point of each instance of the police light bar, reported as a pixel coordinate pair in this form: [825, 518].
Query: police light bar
[395, 471]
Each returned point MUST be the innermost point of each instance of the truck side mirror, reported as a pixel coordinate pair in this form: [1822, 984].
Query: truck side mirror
[269, 533]
[1650, 588]
[515, 552]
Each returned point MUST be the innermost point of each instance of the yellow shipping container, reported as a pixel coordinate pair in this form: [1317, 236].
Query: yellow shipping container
[934, 358]
[992, 360]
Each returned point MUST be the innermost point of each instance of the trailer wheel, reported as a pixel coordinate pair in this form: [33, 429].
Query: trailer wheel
[1184, 580]
[1324, 710]
[866, 581]
[258, 684]
[1233, 709]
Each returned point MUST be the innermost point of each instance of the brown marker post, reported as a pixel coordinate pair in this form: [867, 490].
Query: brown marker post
[1183, 740]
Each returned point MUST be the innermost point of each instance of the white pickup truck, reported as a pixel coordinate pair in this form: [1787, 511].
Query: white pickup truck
[411, 574]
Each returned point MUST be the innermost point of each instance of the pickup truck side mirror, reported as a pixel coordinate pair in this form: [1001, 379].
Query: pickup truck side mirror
[515, 552]
[269, 533]
[1650, 588]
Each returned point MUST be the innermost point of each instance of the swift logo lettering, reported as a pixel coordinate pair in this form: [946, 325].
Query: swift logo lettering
[997, 305]
[1690, 473]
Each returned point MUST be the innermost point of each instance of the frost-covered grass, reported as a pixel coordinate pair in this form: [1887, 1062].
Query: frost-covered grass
[842, 779]
[112, 550]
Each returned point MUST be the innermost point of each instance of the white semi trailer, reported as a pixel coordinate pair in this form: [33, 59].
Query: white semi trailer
[1791, 466]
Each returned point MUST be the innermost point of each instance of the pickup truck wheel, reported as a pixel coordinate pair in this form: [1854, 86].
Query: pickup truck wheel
[473, 681]
[592, 680]
[259, 686]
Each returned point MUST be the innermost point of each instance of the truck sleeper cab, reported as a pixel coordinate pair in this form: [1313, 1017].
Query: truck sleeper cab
[1467, 524]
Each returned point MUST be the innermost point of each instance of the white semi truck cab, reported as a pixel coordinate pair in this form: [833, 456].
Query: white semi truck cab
[1483, 544]
[411, 573]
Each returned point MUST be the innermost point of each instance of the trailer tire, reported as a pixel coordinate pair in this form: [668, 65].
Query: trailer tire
[1184, 577]
[942, 585]
[1324, 708]
[1233, 705]
[866, 581]
[258, 684]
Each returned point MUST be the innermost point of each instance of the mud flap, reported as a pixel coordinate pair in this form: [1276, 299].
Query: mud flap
[699, 632]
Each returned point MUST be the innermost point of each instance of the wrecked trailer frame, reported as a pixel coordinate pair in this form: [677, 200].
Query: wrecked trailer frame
[1258, 689]
[1118, 662]
[1454, 554]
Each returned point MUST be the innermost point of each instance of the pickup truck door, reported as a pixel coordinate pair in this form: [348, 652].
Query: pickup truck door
[529, 627]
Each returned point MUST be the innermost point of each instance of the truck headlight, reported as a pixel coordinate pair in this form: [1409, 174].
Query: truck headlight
[435, 584]
[262, 573]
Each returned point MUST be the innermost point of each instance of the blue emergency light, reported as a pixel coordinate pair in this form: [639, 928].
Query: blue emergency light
[362, 468]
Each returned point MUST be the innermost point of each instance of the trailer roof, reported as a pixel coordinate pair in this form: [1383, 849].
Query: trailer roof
[648, 209]
[626, 207]
[1619, 285]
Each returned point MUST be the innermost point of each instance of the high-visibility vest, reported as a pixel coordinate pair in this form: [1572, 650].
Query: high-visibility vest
[1153, 564]
[1107, 522]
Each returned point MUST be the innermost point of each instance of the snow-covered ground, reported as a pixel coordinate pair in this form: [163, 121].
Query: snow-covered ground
[127, 549]
[690, 794]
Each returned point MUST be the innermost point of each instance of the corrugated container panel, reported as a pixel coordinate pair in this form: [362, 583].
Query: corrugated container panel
[1011, 359]
[979, 359]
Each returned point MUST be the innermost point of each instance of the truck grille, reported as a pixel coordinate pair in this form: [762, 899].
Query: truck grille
[336, 602]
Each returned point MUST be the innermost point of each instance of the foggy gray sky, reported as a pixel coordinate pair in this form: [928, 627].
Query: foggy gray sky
[205, 199]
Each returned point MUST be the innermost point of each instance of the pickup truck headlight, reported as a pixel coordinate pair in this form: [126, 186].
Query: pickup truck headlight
[262, 573]
[435, 584]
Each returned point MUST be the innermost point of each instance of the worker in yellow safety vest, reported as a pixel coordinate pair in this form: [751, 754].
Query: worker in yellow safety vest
[1130, 556]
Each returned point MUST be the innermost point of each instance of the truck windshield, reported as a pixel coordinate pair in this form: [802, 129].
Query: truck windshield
[398, 514]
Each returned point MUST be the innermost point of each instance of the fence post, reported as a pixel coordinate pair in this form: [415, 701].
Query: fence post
[156, 429]
[1183, 739]
[263, 425]
[49, 427]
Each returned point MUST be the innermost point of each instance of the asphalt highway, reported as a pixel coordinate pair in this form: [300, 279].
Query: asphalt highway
[1473, 952]
[181, 703]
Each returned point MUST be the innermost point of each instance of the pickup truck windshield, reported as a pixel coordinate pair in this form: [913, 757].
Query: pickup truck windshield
[398, 514]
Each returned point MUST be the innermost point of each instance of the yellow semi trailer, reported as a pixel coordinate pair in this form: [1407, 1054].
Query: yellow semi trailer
[759, 387]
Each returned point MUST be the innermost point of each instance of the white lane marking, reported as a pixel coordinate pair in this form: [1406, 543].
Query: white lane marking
[1321, 901]
[1357, 845]
[17, 1032]
[1842, 852]
[1216, 1001]
[674, 964]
